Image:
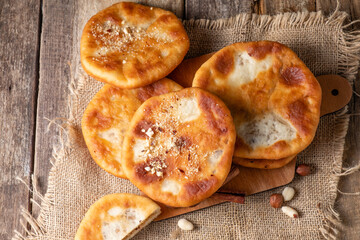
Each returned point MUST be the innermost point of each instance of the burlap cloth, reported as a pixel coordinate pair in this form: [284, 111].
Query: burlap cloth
[76, 181]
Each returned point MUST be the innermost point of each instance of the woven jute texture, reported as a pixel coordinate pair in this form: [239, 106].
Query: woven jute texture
[325, 46]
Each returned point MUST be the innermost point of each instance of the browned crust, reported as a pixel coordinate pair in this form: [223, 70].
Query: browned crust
[263, 163]
[90, 226]
[288, 89]
[260, 49]
[193, 141]
[103, 114]
[132, 57]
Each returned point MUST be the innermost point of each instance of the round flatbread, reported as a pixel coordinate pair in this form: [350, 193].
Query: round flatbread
[117, 216]
[178, 149]
[263, 163]
[130, 45]
[273, 97]
[107, 117]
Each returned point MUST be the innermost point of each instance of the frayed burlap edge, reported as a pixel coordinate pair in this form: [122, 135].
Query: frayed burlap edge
[348, 66]
[332, 225]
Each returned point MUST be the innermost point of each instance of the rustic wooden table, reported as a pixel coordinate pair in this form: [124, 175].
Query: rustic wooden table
[35, 36]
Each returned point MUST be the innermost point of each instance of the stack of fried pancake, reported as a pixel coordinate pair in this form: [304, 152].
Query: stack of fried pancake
[179, 147]
[273, 98]
[255, 104]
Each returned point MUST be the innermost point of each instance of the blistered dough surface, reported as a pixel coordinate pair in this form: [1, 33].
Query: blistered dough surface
[273, 97]
[179, 147]
[130, 45]
[107, 118]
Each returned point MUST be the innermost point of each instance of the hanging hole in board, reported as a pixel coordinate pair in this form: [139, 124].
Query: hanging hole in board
[335, 92]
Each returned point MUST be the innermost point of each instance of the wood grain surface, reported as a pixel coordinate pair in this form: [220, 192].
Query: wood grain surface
[214, 9]
[19, 22]
[54, 78]
[32, 90]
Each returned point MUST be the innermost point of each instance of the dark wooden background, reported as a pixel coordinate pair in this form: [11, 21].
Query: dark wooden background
[35, 40]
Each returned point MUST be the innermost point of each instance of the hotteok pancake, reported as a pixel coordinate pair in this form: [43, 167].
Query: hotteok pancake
[273, 97]
[117, 216]
[179, 146]
[107, 117]
[130, 45]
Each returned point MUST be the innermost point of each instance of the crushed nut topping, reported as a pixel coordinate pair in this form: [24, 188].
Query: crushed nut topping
[149, 133]
[168, 143]
[112, 36]
[157, 167]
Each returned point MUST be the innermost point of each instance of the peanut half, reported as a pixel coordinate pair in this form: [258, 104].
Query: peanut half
[185, 224]
[288, 193]
[290, 212]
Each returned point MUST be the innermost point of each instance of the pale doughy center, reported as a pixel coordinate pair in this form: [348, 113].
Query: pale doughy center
[247, 68]
[266, 130]
[111, 135]
[140, 148]
[121, 226]
[215, 156]
[170, 186]
[115, 211]
[188, 110]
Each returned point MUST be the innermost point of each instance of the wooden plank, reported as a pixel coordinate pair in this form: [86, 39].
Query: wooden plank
[349, 206]
[214, 9]
[175, 6]
[280, 6]
[19, 24]
[55, 53]
[328, 6]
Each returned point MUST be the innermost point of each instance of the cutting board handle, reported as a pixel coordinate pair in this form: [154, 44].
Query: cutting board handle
[336, 93]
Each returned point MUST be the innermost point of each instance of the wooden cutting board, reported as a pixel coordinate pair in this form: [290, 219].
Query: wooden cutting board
[216, 198]
[336, 93]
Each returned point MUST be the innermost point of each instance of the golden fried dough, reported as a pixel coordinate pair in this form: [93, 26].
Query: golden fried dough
[179, 146]
[129, 45]
[263, 163]
[273, 97]
[107, 117]
[117, 216]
